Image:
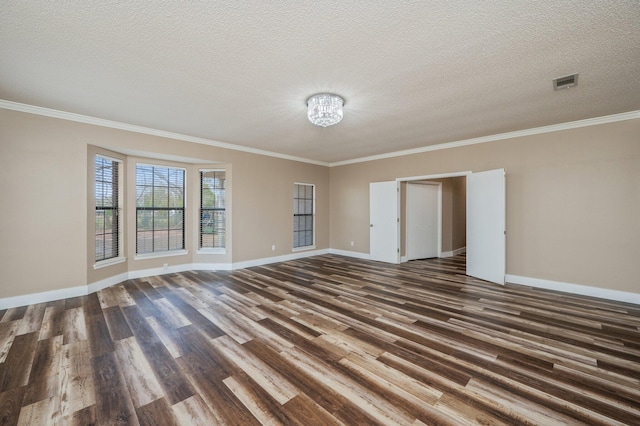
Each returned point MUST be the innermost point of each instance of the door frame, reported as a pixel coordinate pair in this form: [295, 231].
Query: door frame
[405, 258]
[428, 177]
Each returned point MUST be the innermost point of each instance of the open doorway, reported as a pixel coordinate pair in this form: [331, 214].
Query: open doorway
[432, 217]
[485, 215]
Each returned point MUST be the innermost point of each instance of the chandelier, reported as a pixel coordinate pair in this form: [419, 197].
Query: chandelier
[324, 109]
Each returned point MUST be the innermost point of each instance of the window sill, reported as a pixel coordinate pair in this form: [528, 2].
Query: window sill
[212, 251]
[104, 263]
[161, 254]
[304, 248]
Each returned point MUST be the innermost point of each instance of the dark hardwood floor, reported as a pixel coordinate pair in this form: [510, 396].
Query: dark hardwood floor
[321, 341]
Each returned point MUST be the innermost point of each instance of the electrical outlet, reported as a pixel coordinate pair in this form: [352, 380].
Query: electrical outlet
[165, 266]
[351, 243]
[273, 247]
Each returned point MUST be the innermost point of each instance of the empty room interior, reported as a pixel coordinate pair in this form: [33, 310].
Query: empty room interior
[320, 213]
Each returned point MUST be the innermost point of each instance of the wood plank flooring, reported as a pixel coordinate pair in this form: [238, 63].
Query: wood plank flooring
[326, 340]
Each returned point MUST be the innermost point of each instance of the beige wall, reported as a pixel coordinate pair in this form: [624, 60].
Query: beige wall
[573, 200]
[43, 216]
[46, 217]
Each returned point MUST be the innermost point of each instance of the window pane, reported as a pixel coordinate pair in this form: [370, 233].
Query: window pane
[106, 218]
[160, 240]
[160, 208]
[145, 220]
[303, 215]
[175, 219]
[175, 240]
[161, 196]
[160, 220]
[100, 247]
[144, 242]
[206, 241]
[99, 222]
[212, 209]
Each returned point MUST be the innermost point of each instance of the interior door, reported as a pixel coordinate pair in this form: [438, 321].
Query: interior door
[486, 225]
[422, 221]
[383, 220]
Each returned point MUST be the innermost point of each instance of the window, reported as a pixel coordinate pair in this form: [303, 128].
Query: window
[303, 215]
[107, 187]
[159, 209]
[212, 209]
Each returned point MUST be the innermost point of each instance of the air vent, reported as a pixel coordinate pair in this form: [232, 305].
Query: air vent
[565, 82]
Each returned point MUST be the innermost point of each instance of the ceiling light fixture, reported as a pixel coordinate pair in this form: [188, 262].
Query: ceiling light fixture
[325, 109]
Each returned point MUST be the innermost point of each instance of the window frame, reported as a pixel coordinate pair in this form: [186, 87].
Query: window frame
[220, 249]
[117, 210]
[296, 205]
[169, 251]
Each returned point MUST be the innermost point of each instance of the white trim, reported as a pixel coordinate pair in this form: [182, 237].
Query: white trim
[107, 282]
[63, 115]
[212, 266]
[106, 157]
[157, 254]
[275, 259]
[303, 248]
[162, 166]
[42, 297]
[108, 262]
[436, 176]
[602, 293]
[64, 293]
[211, 250]
[631, 115]
[354, 254]
[454, 252]
[70, 116]
[159, 271]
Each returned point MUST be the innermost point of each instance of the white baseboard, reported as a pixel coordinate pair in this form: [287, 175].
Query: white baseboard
[275, 259]
[107, 282]
[454, 252]
[602, 293]
[211, 266]
[83, 290]
[43, 297]
[64, 293]
[355, 254]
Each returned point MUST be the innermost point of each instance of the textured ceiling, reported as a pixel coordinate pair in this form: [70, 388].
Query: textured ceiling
[413, 73]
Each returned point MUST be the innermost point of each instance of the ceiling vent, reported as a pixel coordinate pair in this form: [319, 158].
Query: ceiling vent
[565, 82]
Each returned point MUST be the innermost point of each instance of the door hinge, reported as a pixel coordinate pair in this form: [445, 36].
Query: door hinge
[398, 220]
[398, 250]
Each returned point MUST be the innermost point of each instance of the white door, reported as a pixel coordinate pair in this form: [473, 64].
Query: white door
[422, 221]
[486, 225]
[383, 216]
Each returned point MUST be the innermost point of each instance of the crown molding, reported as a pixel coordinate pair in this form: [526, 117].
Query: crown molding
[63, 115]
[501, 136]
[70, 116]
